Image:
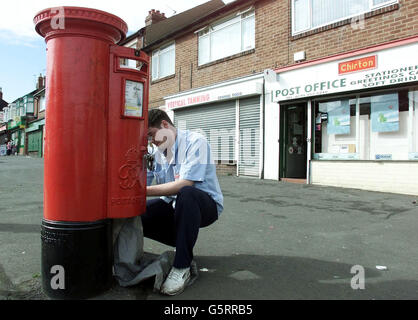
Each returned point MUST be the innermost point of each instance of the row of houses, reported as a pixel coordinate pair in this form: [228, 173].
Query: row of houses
[320, 92]
[22, 123]
[317, 92]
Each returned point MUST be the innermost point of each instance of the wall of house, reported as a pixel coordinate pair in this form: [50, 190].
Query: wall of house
[275, 45]
[387, 24]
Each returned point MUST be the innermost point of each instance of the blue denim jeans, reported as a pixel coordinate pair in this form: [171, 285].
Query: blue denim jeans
[179, 227]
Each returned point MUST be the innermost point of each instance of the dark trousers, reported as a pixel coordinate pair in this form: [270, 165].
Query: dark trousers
[179, 227]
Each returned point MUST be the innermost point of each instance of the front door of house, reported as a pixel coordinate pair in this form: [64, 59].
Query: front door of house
[293, 145]
[35, 143]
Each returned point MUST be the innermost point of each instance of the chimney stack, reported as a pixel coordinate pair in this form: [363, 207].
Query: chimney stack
[154, 16]
[41, 82]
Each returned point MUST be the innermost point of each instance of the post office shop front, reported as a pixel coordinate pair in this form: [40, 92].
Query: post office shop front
[349, 120]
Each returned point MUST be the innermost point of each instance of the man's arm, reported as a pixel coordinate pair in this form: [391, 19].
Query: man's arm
[168, 189]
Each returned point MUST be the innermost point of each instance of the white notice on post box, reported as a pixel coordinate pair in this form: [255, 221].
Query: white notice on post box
[134, 93]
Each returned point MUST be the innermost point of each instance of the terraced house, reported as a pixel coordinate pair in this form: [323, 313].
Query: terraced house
[310, 91]
[23, 121]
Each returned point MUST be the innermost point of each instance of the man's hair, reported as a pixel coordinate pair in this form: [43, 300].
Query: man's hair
[156, 116]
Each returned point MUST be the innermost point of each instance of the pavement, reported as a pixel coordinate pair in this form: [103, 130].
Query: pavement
[274, 241]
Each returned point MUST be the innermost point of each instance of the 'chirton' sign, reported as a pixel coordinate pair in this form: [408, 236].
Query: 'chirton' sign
[357, 65]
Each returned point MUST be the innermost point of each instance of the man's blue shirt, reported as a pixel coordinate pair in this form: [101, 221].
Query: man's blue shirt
[192, 160]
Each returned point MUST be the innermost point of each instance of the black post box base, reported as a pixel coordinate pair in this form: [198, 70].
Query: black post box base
[76, 258]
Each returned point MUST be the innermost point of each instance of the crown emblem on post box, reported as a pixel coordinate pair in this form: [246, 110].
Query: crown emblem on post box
[133, 155]
[129, 173]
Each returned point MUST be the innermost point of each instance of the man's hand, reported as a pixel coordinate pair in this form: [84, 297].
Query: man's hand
[168, 189]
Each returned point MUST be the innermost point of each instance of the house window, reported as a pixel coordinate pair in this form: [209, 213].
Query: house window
[42, 103]
[6, 117]
[13, 112]
[21, 107]
[8, 114]
[227, 37]
[163, 62]
[27, 106]
[312, 14]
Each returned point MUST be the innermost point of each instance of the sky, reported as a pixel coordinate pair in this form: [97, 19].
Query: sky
[23, 51]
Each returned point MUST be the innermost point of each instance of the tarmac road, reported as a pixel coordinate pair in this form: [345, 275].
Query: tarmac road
[274, 240]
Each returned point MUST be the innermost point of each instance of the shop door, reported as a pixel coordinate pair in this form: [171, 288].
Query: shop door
[293, 141]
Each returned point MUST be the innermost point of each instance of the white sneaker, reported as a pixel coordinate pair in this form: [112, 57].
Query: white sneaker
[176, 281]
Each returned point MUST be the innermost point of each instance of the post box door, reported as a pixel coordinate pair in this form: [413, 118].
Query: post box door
[127, 134]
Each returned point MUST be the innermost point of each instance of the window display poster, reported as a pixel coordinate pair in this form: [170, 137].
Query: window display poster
[133, 98]
[385, 113]
[339, 119]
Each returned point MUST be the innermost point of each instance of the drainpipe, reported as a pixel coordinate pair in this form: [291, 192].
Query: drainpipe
[264, 124]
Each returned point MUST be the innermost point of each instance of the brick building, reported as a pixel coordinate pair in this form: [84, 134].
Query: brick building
[3, 125]
[35, 130]
[294, 89]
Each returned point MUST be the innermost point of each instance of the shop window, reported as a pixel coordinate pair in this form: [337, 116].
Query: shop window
[379, 127]
[227, 37]
[384, 126]
[312, 14]
[413, 124]
[15, 138]
[335, 129]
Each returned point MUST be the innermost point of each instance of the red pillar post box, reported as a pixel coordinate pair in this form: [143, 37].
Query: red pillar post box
[95, 142]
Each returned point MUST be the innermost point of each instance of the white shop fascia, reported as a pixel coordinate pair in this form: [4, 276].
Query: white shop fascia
[375, 68]
[229, 90]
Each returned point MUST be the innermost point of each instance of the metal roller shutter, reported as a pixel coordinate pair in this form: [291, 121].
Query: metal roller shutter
[249, 140]
[216, 122]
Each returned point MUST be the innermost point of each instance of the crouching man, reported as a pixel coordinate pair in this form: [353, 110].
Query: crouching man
[189, 191]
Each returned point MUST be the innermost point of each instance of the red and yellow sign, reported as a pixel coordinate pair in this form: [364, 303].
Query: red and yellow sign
[189, 101]
[357, 65]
